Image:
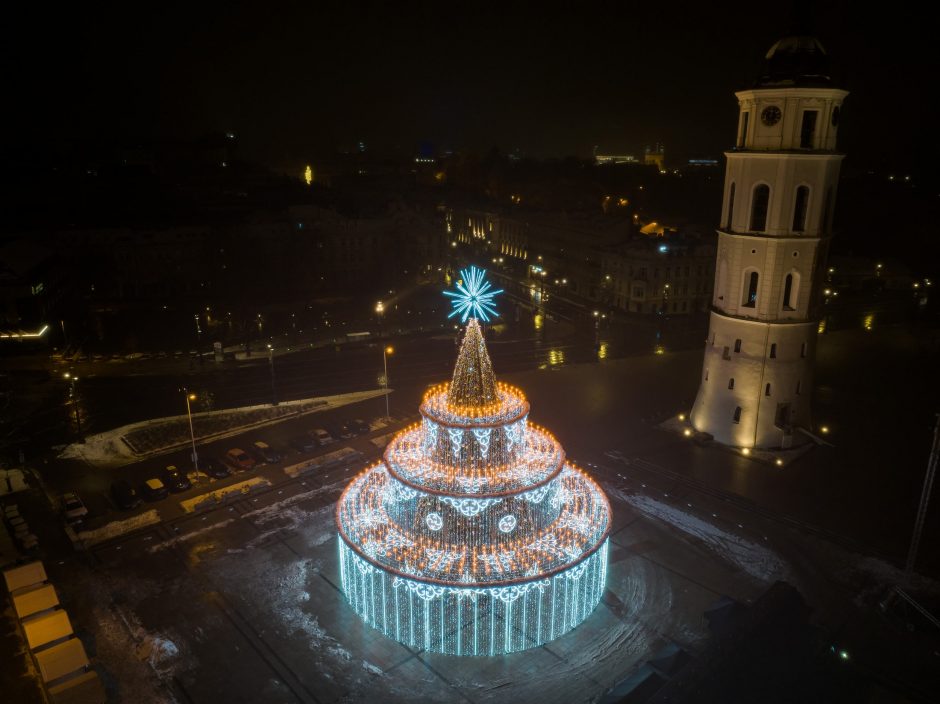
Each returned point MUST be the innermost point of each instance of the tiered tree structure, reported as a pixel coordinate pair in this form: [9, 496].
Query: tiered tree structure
[474, 535]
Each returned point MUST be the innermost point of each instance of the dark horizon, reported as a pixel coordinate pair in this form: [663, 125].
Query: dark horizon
[305, 80]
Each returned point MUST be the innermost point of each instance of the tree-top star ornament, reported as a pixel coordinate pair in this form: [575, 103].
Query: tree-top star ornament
[473, 297]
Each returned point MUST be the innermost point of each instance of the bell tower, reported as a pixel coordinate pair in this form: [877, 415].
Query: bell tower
[780, 189]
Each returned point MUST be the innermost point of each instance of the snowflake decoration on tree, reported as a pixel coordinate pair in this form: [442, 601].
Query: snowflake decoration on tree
[473, 297]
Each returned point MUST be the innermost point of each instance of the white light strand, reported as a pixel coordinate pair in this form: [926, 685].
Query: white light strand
[469, 507]
[536, 495]
[456, 437]
[483, 439]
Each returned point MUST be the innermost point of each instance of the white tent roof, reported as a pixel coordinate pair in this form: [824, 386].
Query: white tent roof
[62, 659]
[24, 576]
[47, 628]
[31, 600]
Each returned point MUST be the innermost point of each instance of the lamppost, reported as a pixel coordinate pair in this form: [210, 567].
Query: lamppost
[192, 435]
[73, 399]
[273, 380]
[380, 310]
[386, 351]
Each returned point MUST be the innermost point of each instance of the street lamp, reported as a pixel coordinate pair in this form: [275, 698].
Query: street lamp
[192, 435]
[380, 310]
[273, 380]
[386, 351]
[73, 399]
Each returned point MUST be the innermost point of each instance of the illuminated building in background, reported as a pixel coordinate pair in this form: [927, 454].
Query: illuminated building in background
[655, 156]
[308, 174]
[774, 234]
[474, 535]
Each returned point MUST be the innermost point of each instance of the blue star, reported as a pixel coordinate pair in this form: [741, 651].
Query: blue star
[473, 298]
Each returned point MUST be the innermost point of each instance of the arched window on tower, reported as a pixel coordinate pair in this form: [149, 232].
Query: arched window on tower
[750, 289]
[791, 286]
[759, 203]
[730, 220]
[799, 208]
[808, 129]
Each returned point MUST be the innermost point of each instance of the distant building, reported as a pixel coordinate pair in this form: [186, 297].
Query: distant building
[655, 156]
[603, 259]
[669, 275]
[615, 159]
[33, 284]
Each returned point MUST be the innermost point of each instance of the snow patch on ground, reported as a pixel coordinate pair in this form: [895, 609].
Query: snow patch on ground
[369, 667]
[157, 650]
[873, 578]
[285, 600]
[756, 560]
[118, 635]
[285, 516]
[188, 536]
[118, 528]
[108, 449]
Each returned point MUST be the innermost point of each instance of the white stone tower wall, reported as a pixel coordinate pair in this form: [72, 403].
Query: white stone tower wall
[752, 368]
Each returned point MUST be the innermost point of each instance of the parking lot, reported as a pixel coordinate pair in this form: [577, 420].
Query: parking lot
[263, 452]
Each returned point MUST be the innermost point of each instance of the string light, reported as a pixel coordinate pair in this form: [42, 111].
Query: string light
[474, 535]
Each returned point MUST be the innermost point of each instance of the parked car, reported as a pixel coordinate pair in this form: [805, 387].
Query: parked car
[239, 459]
[345, 430]
[306, 442]
[73, 509]
[175, 480]
[153, 490]
[323, 437]
[213, 468]
[264, 453]
[124, 495]
[359, 426]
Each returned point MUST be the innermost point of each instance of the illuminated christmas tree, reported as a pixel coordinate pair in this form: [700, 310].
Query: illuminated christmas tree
[473, 535]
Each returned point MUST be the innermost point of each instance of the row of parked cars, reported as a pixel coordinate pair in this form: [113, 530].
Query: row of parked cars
[172, 480]
[320, 437]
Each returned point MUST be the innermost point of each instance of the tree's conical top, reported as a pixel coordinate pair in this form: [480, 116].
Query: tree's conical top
[473, 383]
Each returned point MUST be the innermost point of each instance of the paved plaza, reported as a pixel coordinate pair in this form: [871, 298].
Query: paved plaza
[243, 604]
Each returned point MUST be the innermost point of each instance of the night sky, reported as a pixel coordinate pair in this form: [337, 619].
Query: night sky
[308, 77]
